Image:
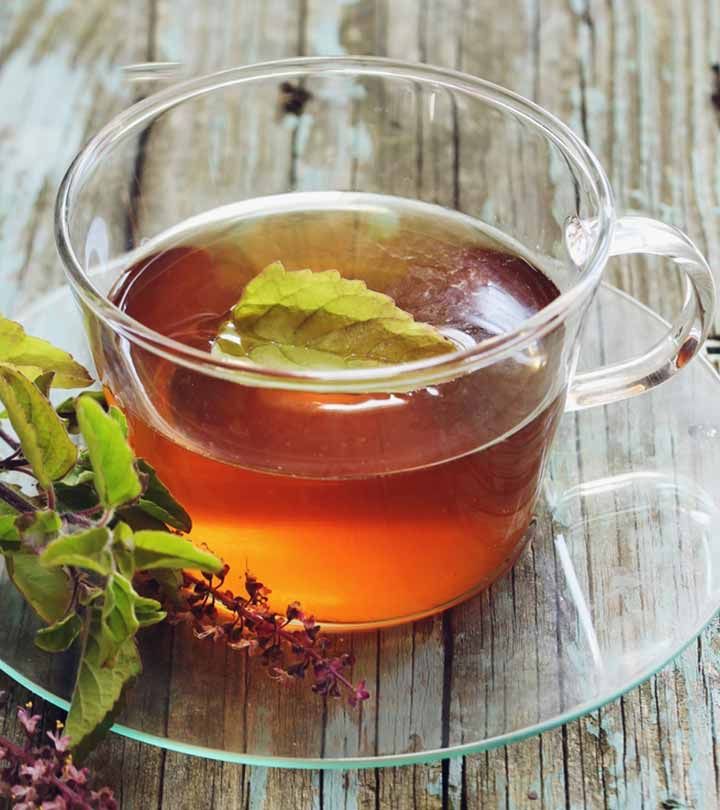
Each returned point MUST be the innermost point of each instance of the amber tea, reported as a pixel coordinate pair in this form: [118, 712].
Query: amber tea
[368, 507]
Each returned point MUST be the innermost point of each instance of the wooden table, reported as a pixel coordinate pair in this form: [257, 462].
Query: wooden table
[634, 79]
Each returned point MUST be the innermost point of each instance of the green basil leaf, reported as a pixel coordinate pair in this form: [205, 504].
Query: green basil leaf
[38, 527]
[118, 416]
[118, 612]
[164, 550]
[139, 519]
[116, 479]
[169, 582]
[33, 356]
[47, 590]
[81, 472]
[89, 550]
[59, 636]
[42, 435]
[66, 409]
[148, 611]
[75, 498]
[98, 686]
[157, 501]
[300, 320]
[44, 382]
[9, 535]
[123, 549]
[149, 619]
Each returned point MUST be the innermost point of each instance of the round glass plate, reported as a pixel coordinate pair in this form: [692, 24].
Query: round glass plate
[622, 573]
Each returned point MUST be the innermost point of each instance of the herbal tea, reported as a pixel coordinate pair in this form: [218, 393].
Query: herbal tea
[365, 507]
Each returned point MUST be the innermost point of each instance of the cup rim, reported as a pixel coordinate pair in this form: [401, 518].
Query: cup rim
[383, 378]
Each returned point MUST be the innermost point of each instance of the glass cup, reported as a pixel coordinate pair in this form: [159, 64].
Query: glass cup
[372, 495]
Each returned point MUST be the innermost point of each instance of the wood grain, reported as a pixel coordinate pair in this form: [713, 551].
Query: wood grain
[634, 80]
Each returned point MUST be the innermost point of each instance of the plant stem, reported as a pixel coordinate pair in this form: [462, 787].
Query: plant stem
[76, 519]
[16, 500]
[8, 439]
[50, 495]
[239, 606]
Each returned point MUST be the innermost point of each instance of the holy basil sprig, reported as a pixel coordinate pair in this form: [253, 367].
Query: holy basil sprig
[73, 547]
[95, 524]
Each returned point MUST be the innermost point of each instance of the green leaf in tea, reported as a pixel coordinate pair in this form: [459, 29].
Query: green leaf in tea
[155, 549]
[115, 477]
[157, 501]
[304, 320]
[89, 550]
[47, 590]
[33, 356]
[42, 435]
[99, 685]
[60, 635]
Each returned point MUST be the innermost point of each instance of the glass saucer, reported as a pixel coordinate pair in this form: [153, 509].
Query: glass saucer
[622, 573]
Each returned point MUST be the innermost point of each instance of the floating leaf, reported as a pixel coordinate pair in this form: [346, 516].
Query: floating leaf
[305, 320]
[42, 435]
[60, 635]
[116, 479]
[157, 501]
[164, 550]
[33, 356]
[47, 590]
[98, 686]
[89, 550]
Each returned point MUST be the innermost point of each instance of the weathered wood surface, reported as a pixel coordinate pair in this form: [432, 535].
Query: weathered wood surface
[634, 80]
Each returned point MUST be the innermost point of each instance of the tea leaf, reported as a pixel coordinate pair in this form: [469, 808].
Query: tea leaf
[157, 501]
[42, 435]
[59, 636]
[89, 550]
[164, 550]
[32, 356]
[98, 686]
[47, 590]
[300, 319]
[116, 479]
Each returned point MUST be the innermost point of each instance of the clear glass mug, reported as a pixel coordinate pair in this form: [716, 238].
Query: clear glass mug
[377, 495]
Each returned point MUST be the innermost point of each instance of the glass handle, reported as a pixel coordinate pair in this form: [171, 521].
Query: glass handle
[686, 335]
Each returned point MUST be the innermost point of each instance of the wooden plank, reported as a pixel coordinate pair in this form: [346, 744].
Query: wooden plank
[60, 80]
